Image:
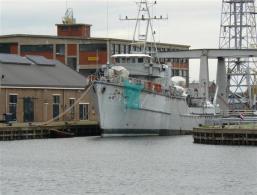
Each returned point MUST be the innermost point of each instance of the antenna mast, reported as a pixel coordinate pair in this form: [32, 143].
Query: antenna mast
[144, 19]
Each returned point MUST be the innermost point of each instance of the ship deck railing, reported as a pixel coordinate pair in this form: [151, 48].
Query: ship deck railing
[148, 86]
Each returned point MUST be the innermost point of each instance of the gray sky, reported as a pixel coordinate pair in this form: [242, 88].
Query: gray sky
[191, 22]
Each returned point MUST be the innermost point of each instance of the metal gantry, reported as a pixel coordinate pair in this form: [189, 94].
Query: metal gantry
[238, 31]
[204, 55]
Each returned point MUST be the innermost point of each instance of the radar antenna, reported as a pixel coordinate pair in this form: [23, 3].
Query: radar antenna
[68, 18]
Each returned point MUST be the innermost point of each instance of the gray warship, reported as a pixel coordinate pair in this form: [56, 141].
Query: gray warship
[136, 95]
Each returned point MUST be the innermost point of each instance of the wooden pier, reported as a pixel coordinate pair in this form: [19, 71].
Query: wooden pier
[20, 131]
[226, 135]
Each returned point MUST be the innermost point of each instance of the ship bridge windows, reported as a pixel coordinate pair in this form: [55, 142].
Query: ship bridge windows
[133, 60]
[140, 60]
[117, 60]
[123, 60]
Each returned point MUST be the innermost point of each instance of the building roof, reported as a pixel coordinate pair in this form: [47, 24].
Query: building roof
[76, 24]
[38, 72]
[79, 39]
[130, 55]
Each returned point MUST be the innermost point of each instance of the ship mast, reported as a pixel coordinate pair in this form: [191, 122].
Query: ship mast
[144, 18]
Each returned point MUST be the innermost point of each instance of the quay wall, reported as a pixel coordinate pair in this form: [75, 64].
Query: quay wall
[225, 136]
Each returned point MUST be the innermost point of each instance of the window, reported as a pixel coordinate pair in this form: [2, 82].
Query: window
[119, 48]
[184, 73]
[64, 28]
[28, 109]
[113, 49]
[83, 111]
[72, 63]
[56, 106]
[123, 60]
[56, 99]
[117, 60]
[75, 27]
[36, 48]
[140, 60]
[72, 110]
[124, 49]
[60, 49]
[93, 47]
[176, 72]
[13, 105]
[129, 48]
[5, 48]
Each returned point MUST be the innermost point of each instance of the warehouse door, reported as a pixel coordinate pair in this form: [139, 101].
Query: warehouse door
[56, 106]
[28, 108]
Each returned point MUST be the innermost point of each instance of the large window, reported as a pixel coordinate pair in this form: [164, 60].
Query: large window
[60, 49]
[93, 47]
[13, 105]
[5, 48]
[36, 48]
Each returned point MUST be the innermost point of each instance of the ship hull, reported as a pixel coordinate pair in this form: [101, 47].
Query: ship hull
[157, 114]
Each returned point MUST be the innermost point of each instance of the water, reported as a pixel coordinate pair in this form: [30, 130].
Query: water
[128, 165]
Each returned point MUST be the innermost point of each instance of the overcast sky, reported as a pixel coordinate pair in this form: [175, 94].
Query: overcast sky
[191, 22]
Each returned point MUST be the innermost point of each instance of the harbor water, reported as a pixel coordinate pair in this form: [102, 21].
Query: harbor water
[126, 165]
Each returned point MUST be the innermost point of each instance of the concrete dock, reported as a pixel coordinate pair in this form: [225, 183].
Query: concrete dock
[19, 131]
[226, 134]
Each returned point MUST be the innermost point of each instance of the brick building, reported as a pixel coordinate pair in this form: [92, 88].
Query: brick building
[75, 47]
[35, 89]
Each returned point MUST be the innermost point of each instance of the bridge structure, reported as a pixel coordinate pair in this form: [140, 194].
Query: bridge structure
[221, 77]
